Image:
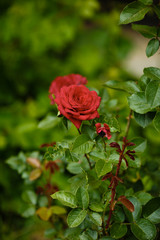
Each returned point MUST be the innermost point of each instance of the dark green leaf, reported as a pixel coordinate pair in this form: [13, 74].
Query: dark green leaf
[67, 198]
[113, 124]
[135, 215]
[156, 121]
[140, 144]
[128, 86]
[152, 47]
[146, 2]
[82, 144]
[118, 230]
[153, 93]
[152, 72]
[76, 217]
[157, 10]
[102, 167]
[143, 229]
[138, 103]
[151, 210]
[144, 119]
[143, 82]
[82, 197]
[133, 12]
[96, 218]
[146, 31]
[118, 214]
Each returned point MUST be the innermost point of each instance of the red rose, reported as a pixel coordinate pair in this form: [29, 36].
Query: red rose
[77, 104]
[59, 82]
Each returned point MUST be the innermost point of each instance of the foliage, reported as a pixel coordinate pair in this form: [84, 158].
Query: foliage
[80, 172]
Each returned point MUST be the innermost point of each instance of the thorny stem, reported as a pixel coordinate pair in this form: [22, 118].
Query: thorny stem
[86, 154]
[115, 183]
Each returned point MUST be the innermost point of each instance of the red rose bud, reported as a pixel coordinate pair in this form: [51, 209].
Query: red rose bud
[103, 131]
[61, 81]
[78, 103]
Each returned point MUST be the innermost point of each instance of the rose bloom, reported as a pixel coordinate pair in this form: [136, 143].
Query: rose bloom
[78, 103]
[59, 82]
[103, 131]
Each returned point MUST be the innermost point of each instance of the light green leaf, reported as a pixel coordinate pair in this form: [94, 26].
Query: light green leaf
[128, 86]
[76, 217]
[58, 210]
[96, 218]
[113, 124]
[118, 230]
[156, 121]
[49, 122]
[82, 144]
[151, 210]
[138, 103]
[83, 197]
[29, 196]
[67, 198]
[102, 167]
[153, 93]
[74, 168]
[152, 72]
[146, 31]
[143, 229]
[134, 11]
[152, 47]
[144, 119]
[96, 207]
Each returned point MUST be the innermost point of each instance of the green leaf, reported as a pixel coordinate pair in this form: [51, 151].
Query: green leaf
[102, 167]
[138, 103]
[83, 197]
[118, 230]
[118, 214]
[144, 119]
[152, 72]
[96, 218]
[143, 197]
[151, 210]
[96, 207]
[146, 31]
[128, 86]
[146, 2]
[134, 11]
[30, 197]
[143, 229]
[152, 47]
[143, 82]
[82, 144]
[113, 124]
[74, 168]
[29, 212]
[157, 10]
[58, 210]
[67, 198]
[135, 215]
[156, 121]
[140, 144]
[49, 122]
[153, 93]
[76, 217]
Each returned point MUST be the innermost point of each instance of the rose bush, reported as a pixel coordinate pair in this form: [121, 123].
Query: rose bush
[78, 103]
[61, 81]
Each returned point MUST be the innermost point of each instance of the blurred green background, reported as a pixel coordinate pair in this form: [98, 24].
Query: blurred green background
[40, 40]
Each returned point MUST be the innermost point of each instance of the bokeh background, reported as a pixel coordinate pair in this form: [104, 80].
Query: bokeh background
[40, 40]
